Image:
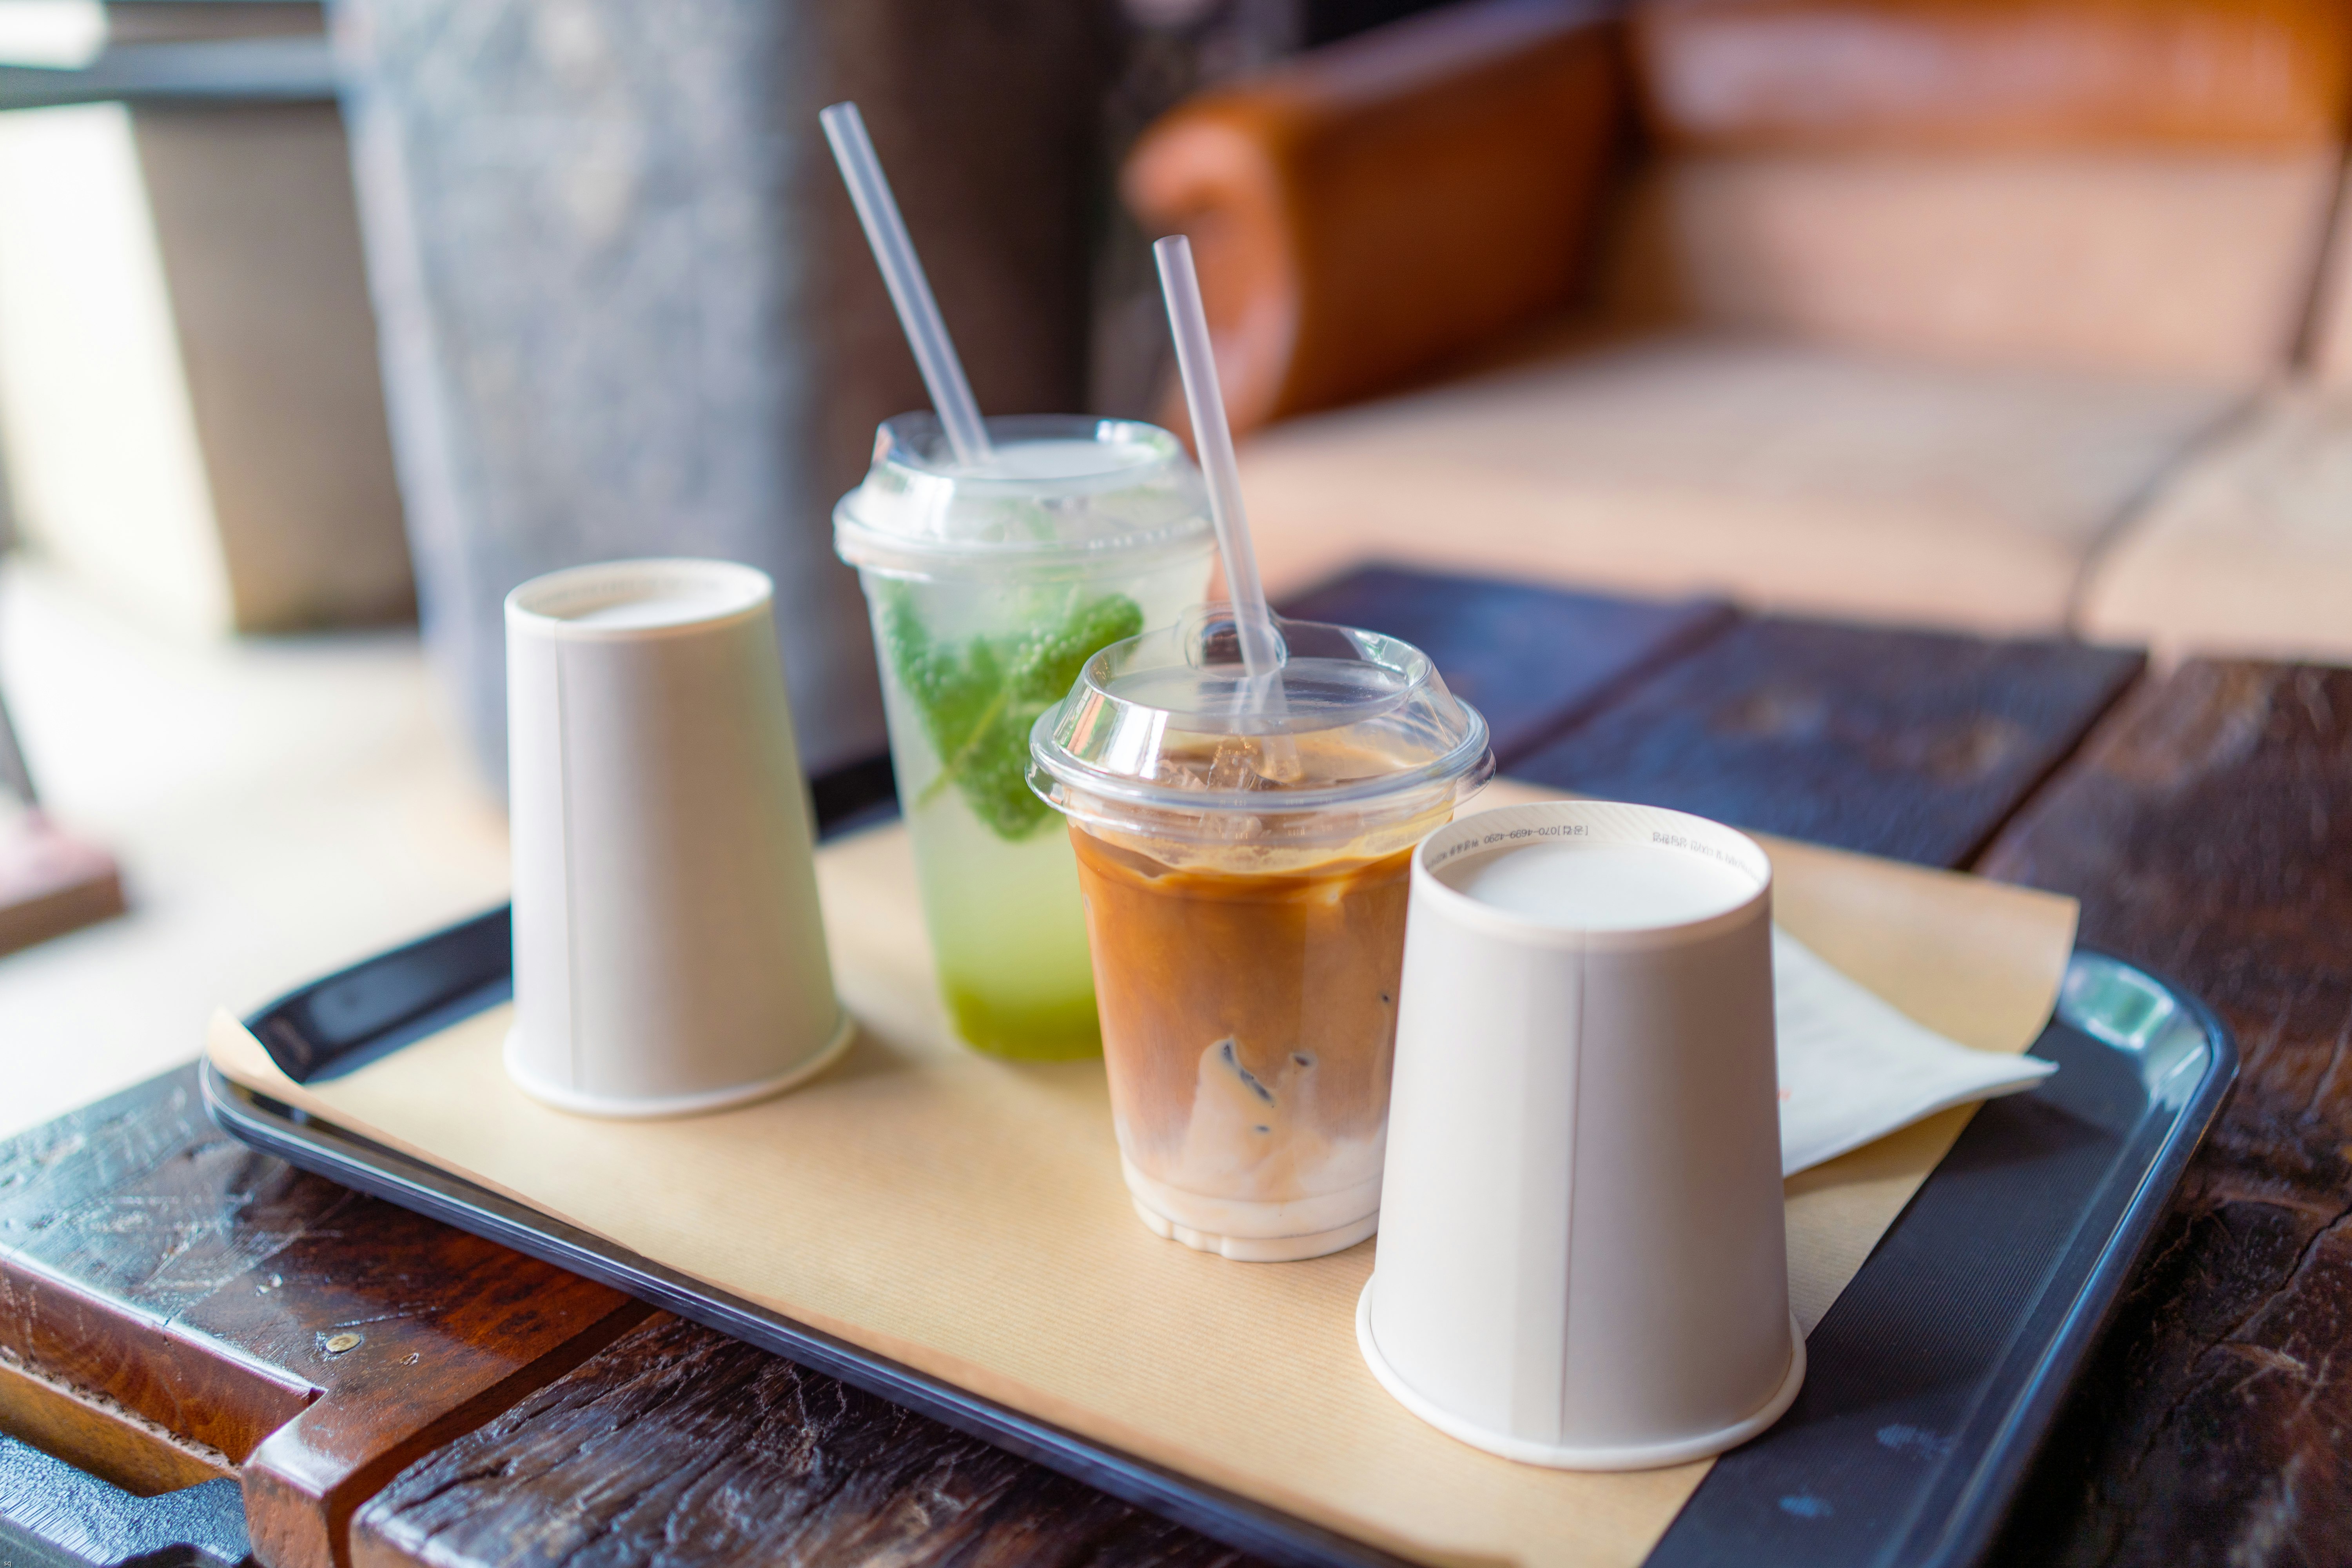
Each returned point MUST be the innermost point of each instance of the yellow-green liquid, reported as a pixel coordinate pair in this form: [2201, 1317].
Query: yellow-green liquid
[1047, 1032]
[1008, 933]
[1000, 883]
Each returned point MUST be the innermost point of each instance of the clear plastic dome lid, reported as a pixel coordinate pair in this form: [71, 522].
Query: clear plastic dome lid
[1062, 491]
[1166, 734]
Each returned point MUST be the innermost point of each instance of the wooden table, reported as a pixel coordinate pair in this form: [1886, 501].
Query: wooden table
[175, 1309]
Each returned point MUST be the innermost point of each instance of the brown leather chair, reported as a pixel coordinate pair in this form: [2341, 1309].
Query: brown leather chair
[1902, 309]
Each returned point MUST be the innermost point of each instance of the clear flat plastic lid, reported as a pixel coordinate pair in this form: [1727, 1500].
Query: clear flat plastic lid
[1170, 725]
[1061, 489]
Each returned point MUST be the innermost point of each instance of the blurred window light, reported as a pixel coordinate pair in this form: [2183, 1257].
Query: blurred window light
[103, 463]
[66, 34]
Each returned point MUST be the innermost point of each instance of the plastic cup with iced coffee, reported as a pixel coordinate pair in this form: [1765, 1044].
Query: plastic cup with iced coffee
[1243, 847]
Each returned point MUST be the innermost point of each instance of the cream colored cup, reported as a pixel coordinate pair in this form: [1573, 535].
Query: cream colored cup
[1581, 1255]
[670, 955]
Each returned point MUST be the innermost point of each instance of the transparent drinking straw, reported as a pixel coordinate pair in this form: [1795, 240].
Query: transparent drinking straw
[1213, 441]
[919, 313]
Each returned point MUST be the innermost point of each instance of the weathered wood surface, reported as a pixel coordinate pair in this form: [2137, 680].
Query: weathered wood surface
[102, 1436]
[2208, 831]
[1532, 659]
[680, 1446]
[1911, 744]
[318, 1339]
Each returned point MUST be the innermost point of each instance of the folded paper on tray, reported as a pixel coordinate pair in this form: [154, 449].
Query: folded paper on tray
[1853, 1069]
[965, 1216]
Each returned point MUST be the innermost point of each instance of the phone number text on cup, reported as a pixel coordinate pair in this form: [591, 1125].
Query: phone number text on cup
[1512, 836]
[1695, 845]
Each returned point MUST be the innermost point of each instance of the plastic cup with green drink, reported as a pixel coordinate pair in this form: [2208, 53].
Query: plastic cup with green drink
[991, 585]
[997, 557]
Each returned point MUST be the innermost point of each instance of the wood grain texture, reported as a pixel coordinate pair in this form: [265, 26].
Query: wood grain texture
[2208, 831]
[150, 1259]
[1532, 659]
[1914, 745]
[680, 1446]
[100, 1437]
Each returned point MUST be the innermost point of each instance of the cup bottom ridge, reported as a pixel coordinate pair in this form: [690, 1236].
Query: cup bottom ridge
[624, 1107]
[1563, 1457]
[1250, 1232]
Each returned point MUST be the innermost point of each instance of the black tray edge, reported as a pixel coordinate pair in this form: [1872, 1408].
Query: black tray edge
[319, 1147]
[1968, 1532]
[1976, 1522]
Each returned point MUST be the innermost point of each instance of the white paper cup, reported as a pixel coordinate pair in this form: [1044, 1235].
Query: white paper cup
[669, 956]
[1582, 1261]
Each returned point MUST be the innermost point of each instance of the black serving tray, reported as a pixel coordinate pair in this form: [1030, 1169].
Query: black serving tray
[1931, 1382]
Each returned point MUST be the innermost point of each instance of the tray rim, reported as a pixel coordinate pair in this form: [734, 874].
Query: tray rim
[341, 1155]
[1972, 1530]
[1963, 1535]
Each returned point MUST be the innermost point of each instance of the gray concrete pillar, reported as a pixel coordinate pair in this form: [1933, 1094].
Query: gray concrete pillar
[626, 308]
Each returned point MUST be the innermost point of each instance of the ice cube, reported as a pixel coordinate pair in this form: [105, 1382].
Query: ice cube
[1236, 766]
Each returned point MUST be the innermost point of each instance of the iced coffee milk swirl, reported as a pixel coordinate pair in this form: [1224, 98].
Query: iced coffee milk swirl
[1248, 995]
[1243, 848]
[1253, 1016]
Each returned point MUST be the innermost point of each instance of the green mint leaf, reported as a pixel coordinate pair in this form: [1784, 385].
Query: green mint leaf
[979, 699]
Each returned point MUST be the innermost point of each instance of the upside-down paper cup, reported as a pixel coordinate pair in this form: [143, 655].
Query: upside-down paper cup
[1582, 1261]
[668, 953]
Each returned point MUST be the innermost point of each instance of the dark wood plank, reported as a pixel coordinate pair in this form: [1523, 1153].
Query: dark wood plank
[100, 1435]
[1911, 744]
[680, 1446]
[2208, 831]
[319, 1339]
[1532, 659]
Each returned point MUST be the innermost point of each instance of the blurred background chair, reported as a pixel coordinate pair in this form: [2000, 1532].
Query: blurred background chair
[2009, 315]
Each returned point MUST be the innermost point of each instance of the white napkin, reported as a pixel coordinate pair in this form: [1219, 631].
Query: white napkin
[1854, 1070]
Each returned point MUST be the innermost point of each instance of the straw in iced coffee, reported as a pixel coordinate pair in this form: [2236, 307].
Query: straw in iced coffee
[1242, 838]
[1213, 439]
